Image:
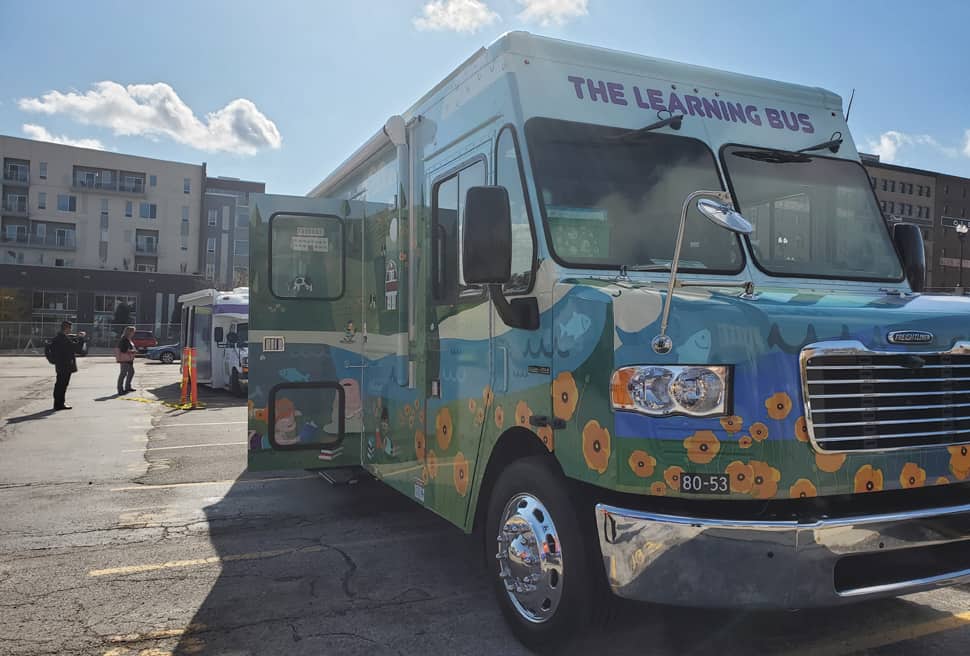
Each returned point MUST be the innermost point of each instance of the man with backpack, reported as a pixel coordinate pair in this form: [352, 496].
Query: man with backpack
[62, 352]
[125, 356]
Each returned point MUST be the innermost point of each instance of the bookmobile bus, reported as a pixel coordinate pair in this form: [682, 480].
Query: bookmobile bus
[216, 324]
[639, 325]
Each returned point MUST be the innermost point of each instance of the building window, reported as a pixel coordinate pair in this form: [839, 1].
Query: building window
[104, 204]
[42, 200]
[892, 185]
[186, 185]
[946, 190]
[43, 170]
[213, 216]
[885, 184]
[210, 245]
[147, 210]
[185, 212]
[104, 220]
[872, 182]
[892, 207]
[927, 192]
[66, 203]
[242, 217]
[103, 251]
[241, 247]
[153, 180]
[210, 271]
[55, 300]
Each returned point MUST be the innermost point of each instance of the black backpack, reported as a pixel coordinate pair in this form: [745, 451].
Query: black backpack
[49, 351]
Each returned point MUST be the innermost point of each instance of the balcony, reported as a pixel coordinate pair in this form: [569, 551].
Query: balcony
[146, 248]
[16, 175]
[103, 180]
[14, 205]
[58, 241]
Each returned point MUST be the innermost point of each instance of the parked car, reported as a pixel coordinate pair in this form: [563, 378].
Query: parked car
[166, 354]
[144, 340]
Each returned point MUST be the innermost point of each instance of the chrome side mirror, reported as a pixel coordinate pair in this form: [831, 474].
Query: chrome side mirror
[725, 216]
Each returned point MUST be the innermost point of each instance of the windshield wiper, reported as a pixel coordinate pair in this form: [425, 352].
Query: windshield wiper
[833, 144]
[643, 267]
[673, 121]
[773, 156]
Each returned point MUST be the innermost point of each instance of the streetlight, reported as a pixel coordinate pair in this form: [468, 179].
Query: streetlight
[962, 230]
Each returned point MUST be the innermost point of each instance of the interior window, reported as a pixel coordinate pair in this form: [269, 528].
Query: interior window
[508, 174]
[448, 283]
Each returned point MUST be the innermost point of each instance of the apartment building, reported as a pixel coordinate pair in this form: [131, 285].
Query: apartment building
[953, 209]
[86, 230]
[224, 235]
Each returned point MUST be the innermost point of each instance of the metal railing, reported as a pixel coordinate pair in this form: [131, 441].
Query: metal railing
[136, 187]
[15, 204]
[143, 248]
[29, 336]
[16, 175]
[67, 242]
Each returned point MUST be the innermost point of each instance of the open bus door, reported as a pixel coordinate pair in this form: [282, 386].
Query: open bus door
[307, 332]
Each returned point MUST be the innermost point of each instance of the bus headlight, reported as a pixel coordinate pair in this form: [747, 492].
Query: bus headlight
[671, 390]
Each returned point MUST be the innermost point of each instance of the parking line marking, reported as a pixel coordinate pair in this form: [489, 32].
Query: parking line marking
[195, 562]
[223, 482]
[157, 634]
[884, 639]
[207, 423]
[184, 446]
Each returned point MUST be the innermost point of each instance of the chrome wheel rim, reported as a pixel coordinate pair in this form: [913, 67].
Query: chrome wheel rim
[529, 558]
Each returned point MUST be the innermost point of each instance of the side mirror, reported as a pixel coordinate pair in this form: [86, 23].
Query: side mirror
[487, 236]
[219, 335]
[909, 242]
[725, 216]
[232, 339]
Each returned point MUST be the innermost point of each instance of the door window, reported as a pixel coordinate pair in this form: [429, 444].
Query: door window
[508, 174]
[449, 204]
[306, 256]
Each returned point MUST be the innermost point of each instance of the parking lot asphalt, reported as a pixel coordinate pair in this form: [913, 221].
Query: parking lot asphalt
[129, 527]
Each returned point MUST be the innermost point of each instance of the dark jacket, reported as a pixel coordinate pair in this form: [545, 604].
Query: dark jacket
[65, 352]
[125, 345]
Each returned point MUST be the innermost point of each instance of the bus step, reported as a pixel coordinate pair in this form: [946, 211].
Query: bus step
[341, 476]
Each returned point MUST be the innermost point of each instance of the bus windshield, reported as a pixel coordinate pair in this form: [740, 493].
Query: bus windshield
[612, 202]
[242, 331]
[813, 216]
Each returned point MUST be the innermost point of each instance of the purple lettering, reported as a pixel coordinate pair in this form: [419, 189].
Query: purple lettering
[774, 117]
[694, 105]
[675, 104]
[711, 108]
[724, 110]
[806, 122]
[656, 100]
[597, 89]
[737, 112]
[640, 102]
[793, 126]
[578, 83]
[616, 93]
[752, 113]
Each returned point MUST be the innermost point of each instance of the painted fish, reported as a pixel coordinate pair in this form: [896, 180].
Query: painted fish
[294, 375]
[577, 326]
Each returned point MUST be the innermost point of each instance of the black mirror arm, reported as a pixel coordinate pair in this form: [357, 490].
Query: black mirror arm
[520, 313]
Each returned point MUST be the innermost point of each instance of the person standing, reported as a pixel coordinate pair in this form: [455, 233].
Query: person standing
[64, 357]
[125, 356]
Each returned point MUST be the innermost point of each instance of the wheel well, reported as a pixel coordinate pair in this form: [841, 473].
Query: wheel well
[515, 443]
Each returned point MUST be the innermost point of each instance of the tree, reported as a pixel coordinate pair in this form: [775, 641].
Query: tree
[122, 314]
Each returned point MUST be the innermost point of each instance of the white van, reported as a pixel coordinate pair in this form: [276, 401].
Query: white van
[217, 324]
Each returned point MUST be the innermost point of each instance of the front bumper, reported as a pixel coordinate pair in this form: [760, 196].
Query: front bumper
[691, 561]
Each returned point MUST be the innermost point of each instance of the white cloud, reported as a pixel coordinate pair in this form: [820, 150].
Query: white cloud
[154, 110]
[40, 133]
[455, 15]
[552, 12]
[966, 143]
[889, 144]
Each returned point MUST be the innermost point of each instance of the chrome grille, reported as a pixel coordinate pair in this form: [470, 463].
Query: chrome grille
[857, 399]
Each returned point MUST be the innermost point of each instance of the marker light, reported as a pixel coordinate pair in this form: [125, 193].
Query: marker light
[673, 390]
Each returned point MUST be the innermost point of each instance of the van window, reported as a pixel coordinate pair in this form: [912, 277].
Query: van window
[508, 174]
[306, 256]
[448, 210]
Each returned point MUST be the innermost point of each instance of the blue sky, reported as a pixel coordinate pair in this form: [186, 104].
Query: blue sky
[316, 79]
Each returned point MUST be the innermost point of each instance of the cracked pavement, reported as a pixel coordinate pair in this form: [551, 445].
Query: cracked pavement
[113, 543]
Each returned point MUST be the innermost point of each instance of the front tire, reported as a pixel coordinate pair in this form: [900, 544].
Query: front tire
[542, 565]
[235, 387]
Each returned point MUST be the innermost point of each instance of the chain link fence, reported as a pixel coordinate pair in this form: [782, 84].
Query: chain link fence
[28, 337]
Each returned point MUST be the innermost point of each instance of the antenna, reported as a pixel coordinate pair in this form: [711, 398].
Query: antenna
[847, 111]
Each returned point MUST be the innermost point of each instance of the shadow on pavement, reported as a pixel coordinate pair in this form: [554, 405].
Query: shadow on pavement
[37, 415]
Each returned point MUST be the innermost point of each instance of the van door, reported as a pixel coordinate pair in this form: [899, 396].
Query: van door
[307, 365]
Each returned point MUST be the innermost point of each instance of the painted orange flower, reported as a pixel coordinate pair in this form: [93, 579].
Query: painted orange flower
[420, 445]
[802, 488]
[432, 464]
[522, 414]
[565, 396]
[480, 417]
[596, 446]
[745, 442]
[960, 461]
[472, 405]
[702, 446]
[766, 480]
[829, 462]
[642, 463]
[912, 476]
[487, 396]
[942, 480]
[657, 488]
[443, 429]
[408, 410]
[261, 414]
[868, 479]
[741, 475]
[801, 429]
[250, 406]
[499, 417]
[546, 435]
[732, 424]
[758, 431]
[778, 405]
[461, 474]
[672, 476]
[421, 417]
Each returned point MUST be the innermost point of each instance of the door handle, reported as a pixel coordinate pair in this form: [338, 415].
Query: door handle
[347, 365]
